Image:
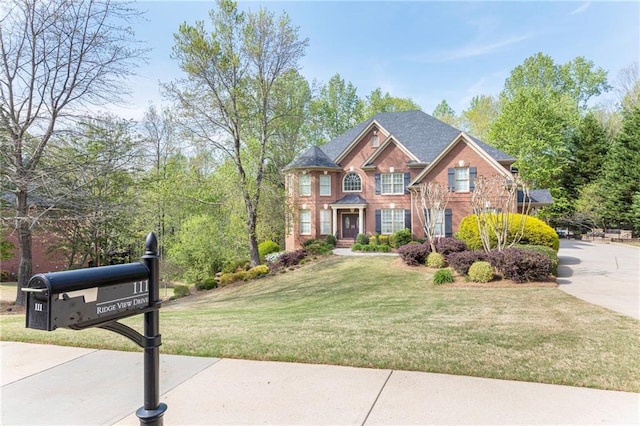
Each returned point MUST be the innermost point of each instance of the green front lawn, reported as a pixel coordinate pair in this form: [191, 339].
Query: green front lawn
[375, 312]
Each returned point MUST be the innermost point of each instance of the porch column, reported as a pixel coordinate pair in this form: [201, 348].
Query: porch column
[360, 220]
[334, 221]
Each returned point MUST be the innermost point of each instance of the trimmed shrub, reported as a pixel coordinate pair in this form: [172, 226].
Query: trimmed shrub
[319, 247]
[547, 251]
[383, 240]
[436, 260]
[536, 232]
[207, 284]
[481, 272]
[227, 278]
[371, 248]
[180, 290]
[257, 271]
[443, 276]
[307, 243]
[362, 239]
[290, 258]
[447, 245]
[267, 247]
[331, 240]
[413, 254]
[462, 261]
[521, 265]
[400, 238]
[235, 265]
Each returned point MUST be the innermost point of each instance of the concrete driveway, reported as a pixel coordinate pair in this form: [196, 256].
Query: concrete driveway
[603, 274]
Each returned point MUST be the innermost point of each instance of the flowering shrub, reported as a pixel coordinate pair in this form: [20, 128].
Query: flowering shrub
[414, 254]
[462, 261]
[273, 257]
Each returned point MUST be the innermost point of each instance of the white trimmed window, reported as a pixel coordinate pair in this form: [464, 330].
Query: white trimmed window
[352, 183]
[325, 185]
[305, 222]
[439, 221]
[462, 179]
[391, 220]
[375, 140]
[304, 185]
[325, 222]
[392, 183]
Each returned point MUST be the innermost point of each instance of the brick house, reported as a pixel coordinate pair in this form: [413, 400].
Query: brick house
[359, 181]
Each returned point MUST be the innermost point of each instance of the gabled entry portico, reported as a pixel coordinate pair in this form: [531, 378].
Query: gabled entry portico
[348, 216]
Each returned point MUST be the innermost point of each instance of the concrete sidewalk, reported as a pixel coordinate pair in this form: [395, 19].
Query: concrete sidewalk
[73, 386]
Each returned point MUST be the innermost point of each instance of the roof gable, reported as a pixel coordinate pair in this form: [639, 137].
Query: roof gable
[314, 157]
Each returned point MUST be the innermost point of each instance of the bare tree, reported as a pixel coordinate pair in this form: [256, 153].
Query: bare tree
[228, 98]
[495, 203]
[430, 201]
[57, 58]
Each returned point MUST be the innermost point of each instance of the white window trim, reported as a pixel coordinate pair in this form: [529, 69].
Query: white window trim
[305, 220]
[344, 180]
[395, 189]
[321, 186]
[393, 224]
[459, 182]
[304, 189]
[325, 222]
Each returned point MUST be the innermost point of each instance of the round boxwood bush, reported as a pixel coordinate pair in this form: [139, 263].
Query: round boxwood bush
[400, 238]
[362, 239]
[481, 272]
[443, 276]
[535, 231]
[207, 284]
[267, 247]
[180, 291]
[436, 260]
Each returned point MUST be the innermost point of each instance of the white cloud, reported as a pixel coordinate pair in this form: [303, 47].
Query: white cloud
[581, 8]
[471, 50]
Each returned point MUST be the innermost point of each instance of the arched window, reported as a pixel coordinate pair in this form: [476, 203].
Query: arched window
[352, 183]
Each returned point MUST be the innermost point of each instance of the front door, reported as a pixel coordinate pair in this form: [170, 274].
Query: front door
[349, 225]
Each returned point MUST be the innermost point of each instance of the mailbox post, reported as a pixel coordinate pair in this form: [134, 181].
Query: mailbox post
[99, 297]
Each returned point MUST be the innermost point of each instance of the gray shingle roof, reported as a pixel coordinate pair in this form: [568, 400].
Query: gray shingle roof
[351, 199]
[312, 158]
[424, 135]
[537, 196]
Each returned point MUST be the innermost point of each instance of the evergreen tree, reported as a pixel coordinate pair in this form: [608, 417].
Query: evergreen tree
[587, 151]
[620, 184]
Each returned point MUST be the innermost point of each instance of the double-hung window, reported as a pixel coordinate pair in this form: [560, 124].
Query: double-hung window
[462, 179]
[392, 220]
[325, 222]
[392, 183]
[436, 218]
[325, 185]
[304, 185]
[305, 222]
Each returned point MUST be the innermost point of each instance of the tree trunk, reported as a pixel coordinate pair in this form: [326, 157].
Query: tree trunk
[25, 269]
[253, 240]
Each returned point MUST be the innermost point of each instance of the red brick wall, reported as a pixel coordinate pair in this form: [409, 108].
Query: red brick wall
[43, 261]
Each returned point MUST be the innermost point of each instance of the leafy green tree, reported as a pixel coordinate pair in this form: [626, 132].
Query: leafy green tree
[578, 79]
[227, 99]
[335, 110]
[376, 102]
[533, 127]
[444, 112]
[482, 112]
[620, 183]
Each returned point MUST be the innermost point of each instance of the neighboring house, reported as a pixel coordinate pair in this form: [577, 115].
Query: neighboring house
[359, 181]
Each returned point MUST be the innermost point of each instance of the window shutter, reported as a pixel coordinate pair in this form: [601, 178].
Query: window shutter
[377, 178]
[448, 225]
[378, 222]
[406, 183]
[473, 172]
[407, 218]
[451, 179]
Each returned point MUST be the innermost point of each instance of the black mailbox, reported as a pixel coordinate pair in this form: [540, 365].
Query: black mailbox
[86, 297]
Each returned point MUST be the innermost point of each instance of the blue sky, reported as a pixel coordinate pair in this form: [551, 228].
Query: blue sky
[425, 50]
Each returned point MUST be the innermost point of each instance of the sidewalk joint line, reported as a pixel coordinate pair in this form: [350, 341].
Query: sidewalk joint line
[376, 400]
